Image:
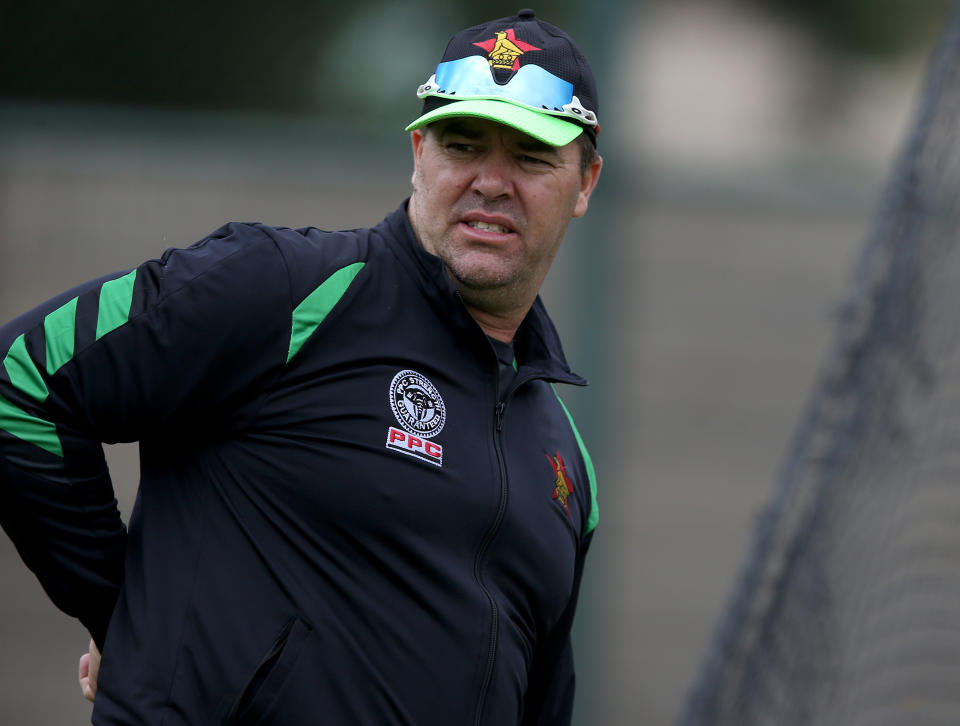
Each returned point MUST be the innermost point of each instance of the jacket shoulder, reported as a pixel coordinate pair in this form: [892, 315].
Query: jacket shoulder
[312, 256]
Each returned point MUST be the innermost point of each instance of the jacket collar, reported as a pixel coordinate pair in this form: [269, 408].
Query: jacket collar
[537, 343]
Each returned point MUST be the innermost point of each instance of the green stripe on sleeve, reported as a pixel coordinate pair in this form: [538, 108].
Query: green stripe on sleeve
[23, 372]
[59, 328]
[308, 315]
[591, 474]
[29, 428]
[116, 297]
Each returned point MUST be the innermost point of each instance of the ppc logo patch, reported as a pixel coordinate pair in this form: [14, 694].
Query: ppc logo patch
[419, 409]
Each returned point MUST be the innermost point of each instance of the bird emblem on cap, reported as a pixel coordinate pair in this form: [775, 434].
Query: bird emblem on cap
[504, 50]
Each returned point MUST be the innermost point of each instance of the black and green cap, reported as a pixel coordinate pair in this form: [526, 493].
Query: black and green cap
[519, 71]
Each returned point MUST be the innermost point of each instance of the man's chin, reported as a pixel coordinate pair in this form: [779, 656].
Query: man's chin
[476, 281]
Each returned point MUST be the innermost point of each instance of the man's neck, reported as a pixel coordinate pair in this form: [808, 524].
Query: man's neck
[495, 327]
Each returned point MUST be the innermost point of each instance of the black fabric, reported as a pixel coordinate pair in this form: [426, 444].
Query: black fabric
[506, 358]
[296, 555]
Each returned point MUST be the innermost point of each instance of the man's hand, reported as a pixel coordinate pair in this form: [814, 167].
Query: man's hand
[89, 667]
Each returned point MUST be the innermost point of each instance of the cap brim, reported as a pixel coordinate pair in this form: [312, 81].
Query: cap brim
[548, 129]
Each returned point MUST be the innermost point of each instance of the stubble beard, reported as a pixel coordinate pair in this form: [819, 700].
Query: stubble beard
[499, 287]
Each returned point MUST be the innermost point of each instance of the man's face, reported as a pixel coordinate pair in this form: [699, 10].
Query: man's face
[494, 203]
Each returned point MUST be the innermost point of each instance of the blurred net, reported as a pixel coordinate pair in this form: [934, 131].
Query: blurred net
[848, 609]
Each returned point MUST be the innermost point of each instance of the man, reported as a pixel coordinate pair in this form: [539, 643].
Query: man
[361, 499]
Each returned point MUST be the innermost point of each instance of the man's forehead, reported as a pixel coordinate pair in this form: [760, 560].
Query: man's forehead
[477, 128]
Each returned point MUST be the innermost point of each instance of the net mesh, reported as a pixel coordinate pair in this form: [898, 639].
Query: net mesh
[848, 609]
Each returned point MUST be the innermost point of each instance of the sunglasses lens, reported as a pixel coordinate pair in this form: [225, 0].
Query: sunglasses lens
[531, 86]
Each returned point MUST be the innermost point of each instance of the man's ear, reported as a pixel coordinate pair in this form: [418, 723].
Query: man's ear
[588, 183]
[417, 139]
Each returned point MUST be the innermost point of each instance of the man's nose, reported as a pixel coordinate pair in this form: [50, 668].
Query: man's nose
[494, 175]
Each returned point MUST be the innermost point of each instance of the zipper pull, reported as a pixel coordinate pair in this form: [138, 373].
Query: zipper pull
[499, 411]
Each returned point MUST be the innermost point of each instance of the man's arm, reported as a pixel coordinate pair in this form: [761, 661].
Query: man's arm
[161, 350]
[58, 503]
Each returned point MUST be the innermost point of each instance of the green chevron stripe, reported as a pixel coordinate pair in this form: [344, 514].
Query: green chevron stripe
[29, 428]
[308, 315]
[59, 328]
[23, 371]
[116, 298]
[591, 473]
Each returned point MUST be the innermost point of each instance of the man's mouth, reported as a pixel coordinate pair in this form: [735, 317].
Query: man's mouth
[488, 226]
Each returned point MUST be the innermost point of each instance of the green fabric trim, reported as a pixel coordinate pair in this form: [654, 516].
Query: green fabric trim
[116, 297]
[308, 315]
[59, 328]
[591, 474]
[23, 371]
[29, 428]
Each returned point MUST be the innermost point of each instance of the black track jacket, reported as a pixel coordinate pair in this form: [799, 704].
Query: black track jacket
[341, 517]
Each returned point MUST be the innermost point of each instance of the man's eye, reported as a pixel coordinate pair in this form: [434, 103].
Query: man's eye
[536, 160]
[459, 146]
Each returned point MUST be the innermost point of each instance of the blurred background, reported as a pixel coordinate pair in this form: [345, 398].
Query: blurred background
[745, 141]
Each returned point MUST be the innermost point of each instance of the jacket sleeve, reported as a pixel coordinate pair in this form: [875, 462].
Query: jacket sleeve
[550, 688]
[166, 349]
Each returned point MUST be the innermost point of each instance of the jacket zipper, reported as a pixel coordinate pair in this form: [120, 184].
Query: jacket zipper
[499, 410]
[481, 553]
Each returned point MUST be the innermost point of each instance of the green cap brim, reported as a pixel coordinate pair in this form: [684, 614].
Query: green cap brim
[544, 127]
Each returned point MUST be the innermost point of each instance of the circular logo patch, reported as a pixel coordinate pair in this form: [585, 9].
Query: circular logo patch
[417, 404]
